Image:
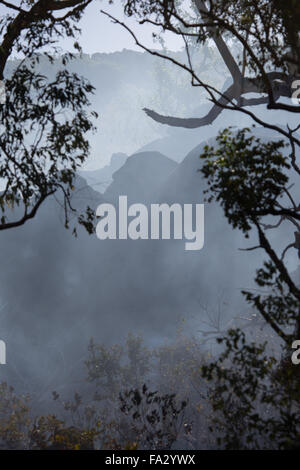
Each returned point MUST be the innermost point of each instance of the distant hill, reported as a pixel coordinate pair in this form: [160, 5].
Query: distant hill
[102, 178]
[59, 291]
[140, 177]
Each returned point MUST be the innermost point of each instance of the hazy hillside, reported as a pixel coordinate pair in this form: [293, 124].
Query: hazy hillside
[102, 178]
[140, 177]
[125, 83]
[58, 291]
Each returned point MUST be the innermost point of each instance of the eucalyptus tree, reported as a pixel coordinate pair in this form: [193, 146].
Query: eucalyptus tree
[44, 122]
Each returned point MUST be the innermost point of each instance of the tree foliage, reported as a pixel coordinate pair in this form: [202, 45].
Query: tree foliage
[267, 39]
[45, 122]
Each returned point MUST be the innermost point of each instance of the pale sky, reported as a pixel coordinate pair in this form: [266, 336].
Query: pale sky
[99, 34]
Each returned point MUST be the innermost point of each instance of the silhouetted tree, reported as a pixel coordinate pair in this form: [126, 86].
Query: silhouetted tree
[44, 121]
[266, 35]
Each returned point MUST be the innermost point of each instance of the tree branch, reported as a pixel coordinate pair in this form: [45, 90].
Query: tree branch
[221, 45]
[10, 5]
[26, 216]
[39, 11]
[192, 123]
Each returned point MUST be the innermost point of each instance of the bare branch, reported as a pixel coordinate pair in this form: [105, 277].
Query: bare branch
[27, 216]
[10, 5]
[221, 45]
[291, 245]
[252, 248]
